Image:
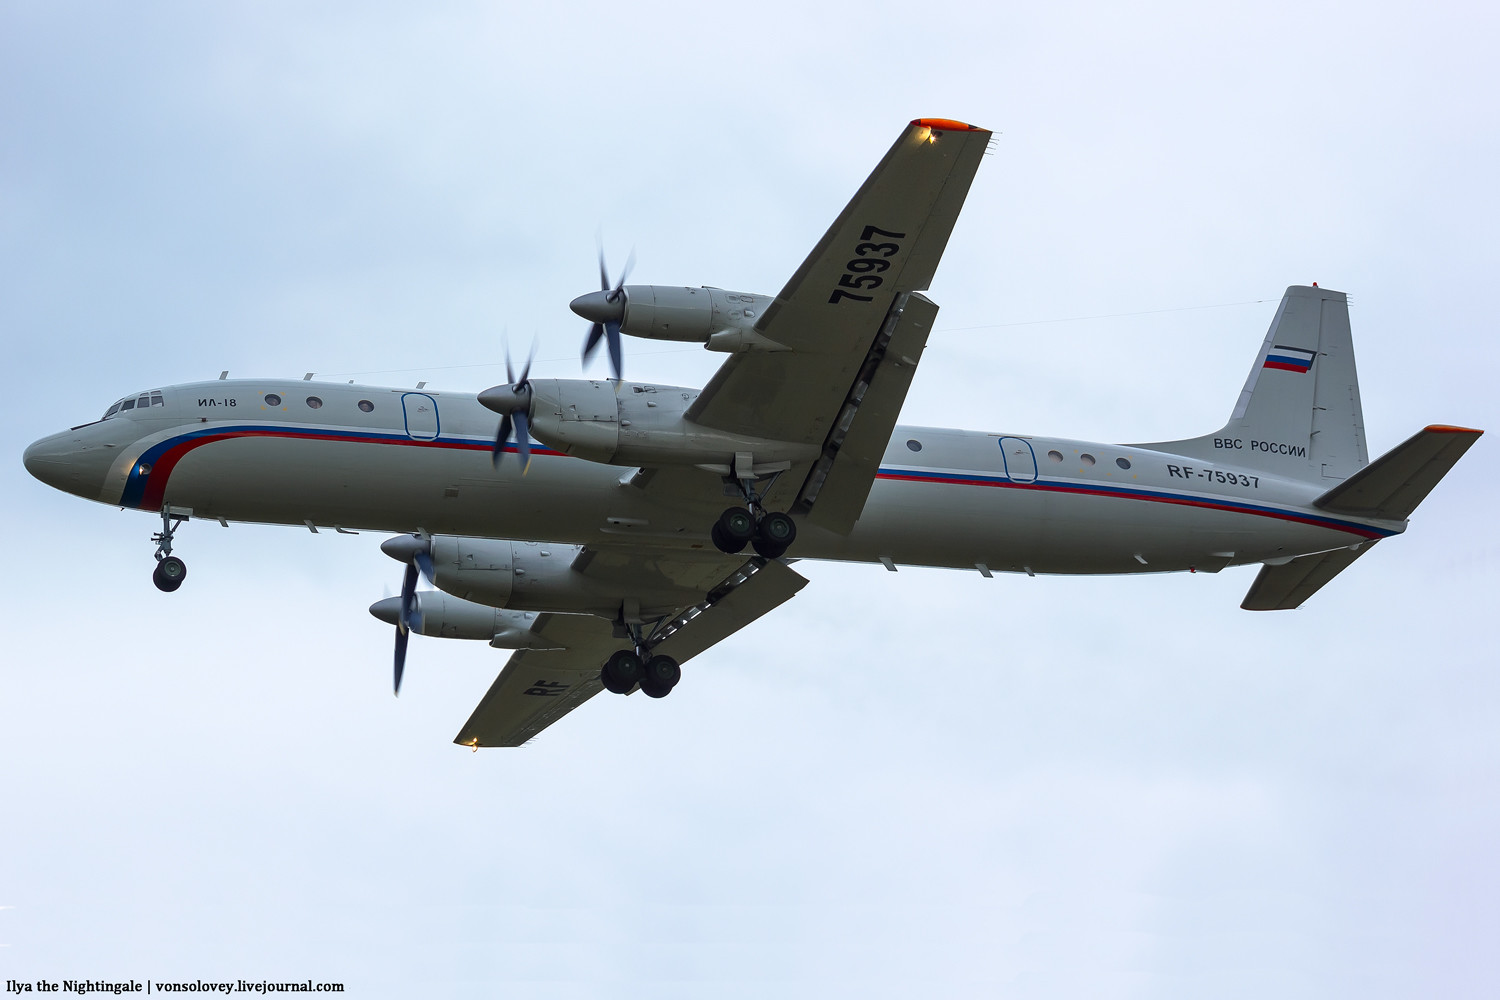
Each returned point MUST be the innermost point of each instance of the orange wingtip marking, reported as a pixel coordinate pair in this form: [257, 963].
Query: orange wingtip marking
[945, 125]
[1449, 429]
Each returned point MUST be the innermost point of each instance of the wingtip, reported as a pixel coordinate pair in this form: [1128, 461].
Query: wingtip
[946, 125]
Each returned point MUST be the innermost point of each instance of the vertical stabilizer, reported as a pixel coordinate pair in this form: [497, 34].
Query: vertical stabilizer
[1299, 414]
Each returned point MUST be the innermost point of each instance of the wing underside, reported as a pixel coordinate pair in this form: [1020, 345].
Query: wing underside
[538, 687]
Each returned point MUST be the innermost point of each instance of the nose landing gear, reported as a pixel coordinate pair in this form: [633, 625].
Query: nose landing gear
[170, 571]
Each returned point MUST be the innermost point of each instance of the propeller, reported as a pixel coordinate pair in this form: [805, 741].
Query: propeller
[606, 308]
[512, 401]
[404, 612]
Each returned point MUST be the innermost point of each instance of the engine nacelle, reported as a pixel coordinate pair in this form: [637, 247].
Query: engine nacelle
[448, 617]
[719, 319]
[539, 576]
[633, 423]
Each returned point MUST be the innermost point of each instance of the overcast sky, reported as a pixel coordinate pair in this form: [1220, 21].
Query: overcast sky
[920, 781]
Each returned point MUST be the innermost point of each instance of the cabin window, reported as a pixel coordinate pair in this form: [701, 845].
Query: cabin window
[1055, 455]
[1086, 458]
[272, 399]
[143, 402]
[1123, 463]
[914, 444]
[129, 404]
[313, 402]
[157, 400]
[366, 405]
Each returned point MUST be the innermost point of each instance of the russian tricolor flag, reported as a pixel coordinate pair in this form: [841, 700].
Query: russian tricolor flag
[1289, 359]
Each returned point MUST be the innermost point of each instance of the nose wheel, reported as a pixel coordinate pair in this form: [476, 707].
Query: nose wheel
[170, 571]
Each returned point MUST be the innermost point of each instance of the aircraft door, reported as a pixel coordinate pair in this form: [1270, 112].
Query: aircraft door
[421, 412]
[1019, 459]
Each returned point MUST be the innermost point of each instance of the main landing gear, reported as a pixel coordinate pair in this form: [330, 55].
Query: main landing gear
[769, 532]
[170, 571]
[657, 675]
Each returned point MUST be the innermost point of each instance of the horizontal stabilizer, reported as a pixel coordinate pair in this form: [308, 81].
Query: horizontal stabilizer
[1288, 586]
[1393, 485]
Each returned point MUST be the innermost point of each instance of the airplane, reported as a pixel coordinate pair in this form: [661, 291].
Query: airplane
[600, 531]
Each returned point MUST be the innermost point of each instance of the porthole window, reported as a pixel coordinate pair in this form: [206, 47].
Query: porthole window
[1086, 458]
[366, 405]
[313, 402]
[914, 444]
[272, 399]
[1055, 455]
[1123, 463]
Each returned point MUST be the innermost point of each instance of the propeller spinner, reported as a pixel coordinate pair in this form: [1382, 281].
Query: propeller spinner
[512, 402]
[606, 308]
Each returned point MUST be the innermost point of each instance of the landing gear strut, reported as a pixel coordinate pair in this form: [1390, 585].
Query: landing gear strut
[170, 571]
[770, 532]
[656, 675]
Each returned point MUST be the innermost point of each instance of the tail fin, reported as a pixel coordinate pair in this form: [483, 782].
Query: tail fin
[1299, 414]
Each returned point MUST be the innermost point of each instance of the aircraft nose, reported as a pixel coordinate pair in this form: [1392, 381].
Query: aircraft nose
[69, 463]
[47, 460]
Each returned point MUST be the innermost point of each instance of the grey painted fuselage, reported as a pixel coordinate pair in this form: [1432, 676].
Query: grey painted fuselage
[422, 460]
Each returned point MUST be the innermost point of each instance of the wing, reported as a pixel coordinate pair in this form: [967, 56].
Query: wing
[538, 687]
[851, 324]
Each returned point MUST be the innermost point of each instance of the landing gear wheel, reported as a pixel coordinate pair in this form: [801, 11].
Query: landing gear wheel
[662, 673]
[733, 530]
[169, 574]
[774, 534]
[622, 671]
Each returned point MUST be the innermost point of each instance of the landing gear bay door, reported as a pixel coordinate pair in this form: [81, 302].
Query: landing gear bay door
[831, 329]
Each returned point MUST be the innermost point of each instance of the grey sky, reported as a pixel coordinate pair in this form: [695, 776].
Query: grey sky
[921, 781]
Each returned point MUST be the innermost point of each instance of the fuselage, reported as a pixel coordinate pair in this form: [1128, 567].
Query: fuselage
[399, 460]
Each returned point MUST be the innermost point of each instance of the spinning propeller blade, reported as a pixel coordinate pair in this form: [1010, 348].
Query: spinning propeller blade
[606, 308]
[511, 402]
[405, 612]
[403, 623]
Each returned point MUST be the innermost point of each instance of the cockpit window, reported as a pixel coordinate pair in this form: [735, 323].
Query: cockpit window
[136, 402]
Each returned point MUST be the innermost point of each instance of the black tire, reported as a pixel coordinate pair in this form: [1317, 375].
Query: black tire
[777, 528]
[621, 672]
[169, 574]
[737, 526]
[775, 532]
[661, 672]
[654, 690]
[723, 544]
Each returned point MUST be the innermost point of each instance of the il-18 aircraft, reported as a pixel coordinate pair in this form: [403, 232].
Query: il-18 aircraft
[600, 530]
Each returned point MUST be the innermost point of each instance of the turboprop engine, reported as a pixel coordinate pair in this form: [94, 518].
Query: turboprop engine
[435, 613]
[527, 576]
[719, 320]
[632, 423]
